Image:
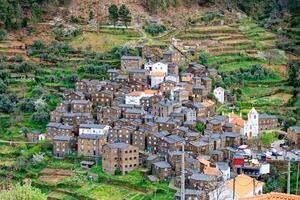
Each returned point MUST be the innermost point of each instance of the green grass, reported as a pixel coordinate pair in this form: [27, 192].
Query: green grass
[267, 138]
[104, 40]
[239, 65]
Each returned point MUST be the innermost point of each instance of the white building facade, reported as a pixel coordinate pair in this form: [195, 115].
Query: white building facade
[251, 127]
[219, 93]
[97, 129]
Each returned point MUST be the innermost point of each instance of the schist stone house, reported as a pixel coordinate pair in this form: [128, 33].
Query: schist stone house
[131, 62]
[97, 129]
[119, 157]
[293, 135]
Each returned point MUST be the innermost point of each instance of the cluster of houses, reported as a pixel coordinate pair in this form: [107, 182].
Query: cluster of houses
[143, 115]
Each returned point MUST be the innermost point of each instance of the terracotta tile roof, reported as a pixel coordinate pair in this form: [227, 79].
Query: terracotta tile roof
[203, 161]
[135, 93]
[151, 92]
[211, 171]
[208, 103]
[238, 121]
[273, 196]
[243, 185]
[158, 74]
[233, 116]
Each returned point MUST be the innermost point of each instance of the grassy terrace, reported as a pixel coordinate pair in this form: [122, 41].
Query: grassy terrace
[104, 40]
[66, 179]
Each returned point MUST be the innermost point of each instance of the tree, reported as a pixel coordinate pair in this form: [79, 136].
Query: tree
[25, 191]
[294, 74]
[125, 15]
[36, 12]
[41, 116]
[27, 105]
[3, 34]
[113, 16]
[3, 87]
[199, 127]
[203, 59]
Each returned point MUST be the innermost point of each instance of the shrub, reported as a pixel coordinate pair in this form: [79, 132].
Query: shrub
[3, 34]
[40, 116]
[154, 29]
[27, 105]
[3, 87]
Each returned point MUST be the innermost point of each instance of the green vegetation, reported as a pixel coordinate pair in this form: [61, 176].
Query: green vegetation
[25, 191]
[104, 40]
[267, 138]
[121, 14]
[154, 29]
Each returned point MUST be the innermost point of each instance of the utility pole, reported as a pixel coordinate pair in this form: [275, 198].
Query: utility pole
[289, 177]
[253, 186]
[182, 174]
[233, 194]
[297, 182]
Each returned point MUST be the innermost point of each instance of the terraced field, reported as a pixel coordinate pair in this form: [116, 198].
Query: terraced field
[232, 46]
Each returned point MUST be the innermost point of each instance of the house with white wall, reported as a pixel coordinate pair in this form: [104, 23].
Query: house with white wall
[97, 129]
[242, 185]
[157, 78]
[156, 67]
[135, 96]
[219, 93]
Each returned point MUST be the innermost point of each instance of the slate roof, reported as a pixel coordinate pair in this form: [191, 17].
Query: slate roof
[130, 57]
[162, 164]
[202, 177]
[89, 136]
[62, 138]
[266, 116]
[119, 145]
[99, 126]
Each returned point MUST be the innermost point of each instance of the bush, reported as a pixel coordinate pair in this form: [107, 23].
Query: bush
[27, 105]
[3, 87]
[3, 34]
[154, 29]
[40, 116]
[24, 67]
[268, 137]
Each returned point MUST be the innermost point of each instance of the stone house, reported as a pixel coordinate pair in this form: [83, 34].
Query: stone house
[207, 82]
[267, 122]
[102, 98]
[112, 87]
[293, 135]
[112, 74]
[139, 138]
[162, 108]
[167, 87]
[62, 146]
[196, 69]
[186, 77]
[77, 118]
[162, 170]
[73, 95]
[81, 106]
[169, 143]
[181, 95]
[88, 86]
[131, 62]
[134, 113]
[121, 133]
[90, 145]
[148, 102]
[173, 56]
[150, 160]
[119, 157]
[140, 75]
[173, 69]
[54, 129]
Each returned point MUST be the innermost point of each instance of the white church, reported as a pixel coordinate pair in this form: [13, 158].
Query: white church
[251, 127]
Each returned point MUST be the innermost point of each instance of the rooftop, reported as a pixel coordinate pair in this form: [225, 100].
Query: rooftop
[273, 196]
[241, 186]
[162, 164]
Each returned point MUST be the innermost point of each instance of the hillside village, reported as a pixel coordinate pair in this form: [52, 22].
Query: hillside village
[150, 115]
[140, 100]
